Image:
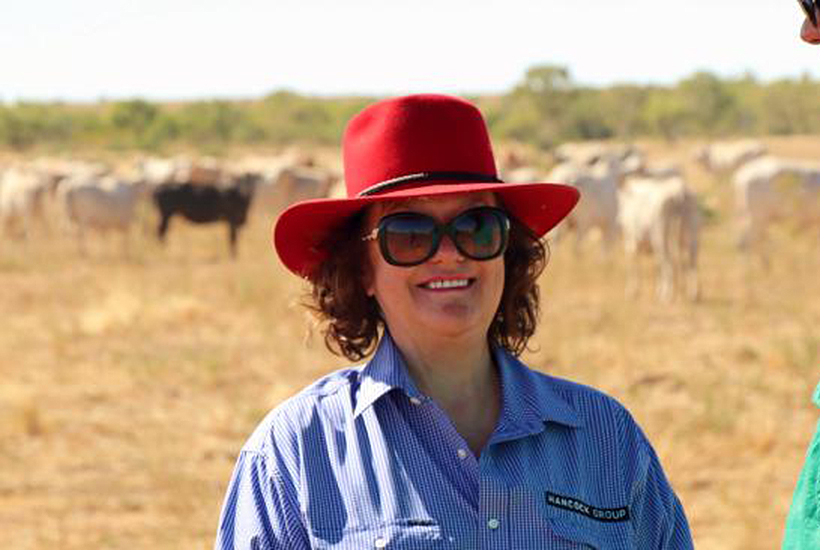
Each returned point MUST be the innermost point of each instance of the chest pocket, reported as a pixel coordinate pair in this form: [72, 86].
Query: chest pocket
[589, 534]
[586, 526]
[404, 534]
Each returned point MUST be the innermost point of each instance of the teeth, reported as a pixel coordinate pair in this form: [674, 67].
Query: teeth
[451, 283]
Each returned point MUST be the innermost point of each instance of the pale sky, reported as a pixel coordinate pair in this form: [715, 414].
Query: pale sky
[182, 49]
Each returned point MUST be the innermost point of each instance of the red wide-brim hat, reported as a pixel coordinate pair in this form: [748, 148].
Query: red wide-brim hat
[413, 146]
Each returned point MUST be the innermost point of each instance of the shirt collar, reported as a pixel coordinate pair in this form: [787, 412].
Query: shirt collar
[529, 399]
[385, 372]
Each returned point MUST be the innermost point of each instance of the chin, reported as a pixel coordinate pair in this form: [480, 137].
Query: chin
[450, 327]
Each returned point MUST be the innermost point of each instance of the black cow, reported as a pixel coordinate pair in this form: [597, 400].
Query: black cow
[206, 203]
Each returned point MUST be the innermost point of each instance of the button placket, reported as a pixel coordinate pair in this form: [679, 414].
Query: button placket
[493, 506]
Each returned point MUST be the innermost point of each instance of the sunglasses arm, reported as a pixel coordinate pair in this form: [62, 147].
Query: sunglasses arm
[372, 236]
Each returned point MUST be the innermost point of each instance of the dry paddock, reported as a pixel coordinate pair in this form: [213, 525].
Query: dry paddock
[129, 382]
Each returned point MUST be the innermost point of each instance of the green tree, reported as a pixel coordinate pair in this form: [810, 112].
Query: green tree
[791, 106]
[665, 114]
[540, 103]
[708, 102]
[133, 115]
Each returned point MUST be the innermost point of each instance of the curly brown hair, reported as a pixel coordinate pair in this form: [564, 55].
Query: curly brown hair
[352, 319]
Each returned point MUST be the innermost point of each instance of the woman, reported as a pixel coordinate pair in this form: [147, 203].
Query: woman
[803, 521]
[443, 439]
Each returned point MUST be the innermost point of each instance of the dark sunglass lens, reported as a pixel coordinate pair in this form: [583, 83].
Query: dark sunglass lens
[479, 233]
[408, 239]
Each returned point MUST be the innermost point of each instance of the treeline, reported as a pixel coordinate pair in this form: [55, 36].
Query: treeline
[545, 108]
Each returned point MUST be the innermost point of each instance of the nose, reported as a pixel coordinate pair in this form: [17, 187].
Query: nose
[447, 252]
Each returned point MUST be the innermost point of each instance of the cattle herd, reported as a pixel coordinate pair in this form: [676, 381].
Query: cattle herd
[652, 208]
[646, 204]
[91, 197]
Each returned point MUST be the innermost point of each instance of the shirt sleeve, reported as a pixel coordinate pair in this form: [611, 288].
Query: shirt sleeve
[660, 520]
[803, 521]
[260, 511]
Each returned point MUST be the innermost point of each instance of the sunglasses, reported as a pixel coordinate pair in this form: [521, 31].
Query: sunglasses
[809, 8]
[410, 238]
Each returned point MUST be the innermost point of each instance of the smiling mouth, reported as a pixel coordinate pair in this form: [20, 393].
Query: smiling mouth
[448, 284]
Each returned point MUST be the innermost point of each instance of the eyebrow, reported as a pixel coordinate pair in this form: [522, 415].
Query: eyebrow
[394, 206]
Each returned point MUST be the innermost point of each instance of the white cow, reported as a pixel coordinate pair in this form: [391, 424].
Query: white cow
[290, 184]
[101, 205]
[591, 152]
[661, 169]
[771, 189]
[156, 171]
[65, 168]
[338, 190]
[659, 216]
[725, 156]
[637, 164]
[523, 174]
[202, 171]
[598, 206]
[22, 194]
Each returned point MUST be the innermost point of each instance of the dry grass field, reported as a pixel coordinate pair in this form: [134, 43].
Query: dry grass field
[130, 381]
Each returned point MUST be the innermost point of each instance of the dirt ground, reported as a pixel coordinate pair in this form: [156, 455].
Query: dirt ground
[132, 376]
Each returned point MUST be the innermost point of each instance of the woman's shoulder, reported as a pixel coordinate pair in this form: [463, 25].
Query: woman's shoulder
[591, 421]
[589, 401]
[581, 397]
[323, 401]
[595, 409]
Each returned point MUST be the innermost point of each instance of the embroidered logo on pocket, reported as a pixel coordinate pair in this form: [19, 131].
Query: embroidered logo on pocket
[598, 514]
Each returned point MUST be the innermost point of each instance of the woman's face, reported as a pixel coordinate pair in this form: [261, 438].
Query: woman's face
[410, 300]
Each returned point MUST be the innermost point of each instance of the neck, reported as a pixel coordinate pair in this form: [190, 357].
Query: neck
[460, 376]
[444, 363]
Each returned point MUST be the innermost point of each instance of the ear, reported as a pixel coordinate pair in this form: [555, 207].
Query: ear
[369, 287]
[367, 278]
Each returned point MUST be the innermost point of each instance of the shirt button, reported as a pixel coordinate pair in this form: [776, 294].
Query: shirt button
[462, 454]
[493, 523]
[380, 543]
[414, 401]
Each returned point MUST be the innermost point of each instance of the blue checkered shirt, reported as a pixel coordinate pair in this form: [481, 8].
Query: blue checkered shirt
[362, 459]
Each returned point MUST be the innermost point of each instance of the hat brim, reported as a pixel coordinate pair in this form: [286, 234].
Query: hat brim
[302, 228]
